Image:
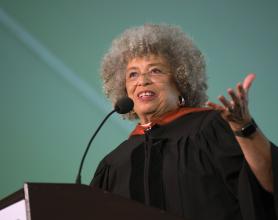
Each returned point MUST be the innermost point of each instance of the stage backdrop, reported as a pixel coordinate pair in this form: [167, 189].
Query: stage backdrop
[51, 96]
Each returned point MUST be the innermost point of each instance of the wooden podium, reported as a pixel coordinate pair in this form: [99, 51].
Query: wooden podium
[44, 201]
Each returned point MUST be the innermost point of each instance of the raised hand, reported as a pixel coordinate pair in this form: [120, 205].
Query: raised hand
[235, 111]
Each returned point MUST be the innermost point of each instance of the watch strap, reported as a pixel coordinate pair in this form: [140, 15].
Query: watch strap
[247, 130]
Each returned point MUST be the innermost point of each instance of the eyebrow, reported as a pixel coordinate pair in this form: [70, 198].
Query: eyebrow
[149, 65]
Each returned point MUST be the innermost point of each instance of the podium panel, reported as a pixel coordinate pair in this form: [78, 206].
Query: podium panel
[44, 201]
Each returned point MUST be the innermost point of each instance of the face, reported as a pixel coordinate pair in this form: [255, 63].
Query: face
[150, 84]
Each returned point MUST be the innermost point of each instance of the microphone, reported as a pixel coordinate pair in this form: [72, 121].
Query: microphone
[122, 106]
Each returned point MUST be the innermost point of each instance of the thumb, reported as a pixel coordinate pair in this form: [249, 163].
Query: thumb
[247, 82]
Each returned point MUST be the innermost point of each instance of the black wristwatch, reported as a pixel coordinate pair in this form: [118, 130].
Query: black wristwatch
[247, 130]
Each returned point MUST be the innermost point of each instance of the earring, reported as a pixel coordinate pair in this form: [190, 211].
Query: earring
[181, 101]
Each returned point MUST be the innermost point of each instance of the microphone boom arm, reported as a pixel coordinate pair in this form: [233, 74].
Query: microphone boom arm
[78, 177]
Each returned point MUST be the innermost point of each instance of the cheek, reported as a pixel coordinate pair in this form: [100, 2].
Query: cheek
[170, 93]
[170, 88]
[129, 90]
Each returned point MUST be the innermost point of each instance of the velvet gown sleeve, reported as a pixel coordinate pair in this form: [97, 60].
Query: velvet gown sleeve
[225, 153]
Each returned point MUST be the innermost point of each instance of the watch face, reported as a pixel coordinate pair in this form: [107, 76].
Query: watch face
[248, 130]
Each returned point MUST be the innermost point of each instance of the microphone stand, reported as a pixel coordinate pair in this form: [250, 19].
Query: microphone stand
[78, 177]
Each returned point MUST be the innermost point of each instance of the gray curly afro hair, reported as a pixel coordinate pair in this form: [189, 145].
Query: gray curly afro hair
[185, 59]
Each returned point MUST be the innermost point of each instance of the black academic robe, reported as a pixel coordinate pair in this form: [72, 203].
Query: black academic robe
[191, 167]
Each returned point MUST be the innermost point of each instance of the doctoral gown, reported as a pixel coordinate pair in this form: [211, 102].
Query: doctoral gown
[190, 165]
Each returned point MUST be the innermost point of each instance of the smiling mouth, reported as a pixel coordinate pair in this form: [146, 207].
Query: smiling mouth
[146, 94]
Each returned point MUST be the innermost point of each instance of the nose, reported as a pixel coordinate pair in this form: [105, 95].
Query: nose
[144, 79]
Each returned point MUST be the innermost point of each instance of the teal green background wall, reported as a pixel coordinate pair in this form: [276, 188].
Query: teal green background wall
[50, 92]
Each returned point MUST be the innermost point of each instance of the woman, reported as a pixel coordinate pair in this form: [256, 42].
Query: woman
[196, 162]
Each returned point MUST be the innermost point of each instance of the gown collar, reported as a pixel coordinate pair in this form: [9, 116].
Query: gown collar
[167, 118]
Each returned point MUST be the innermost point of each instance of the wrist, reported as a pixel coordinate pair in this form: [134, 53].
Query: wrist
[247, 129]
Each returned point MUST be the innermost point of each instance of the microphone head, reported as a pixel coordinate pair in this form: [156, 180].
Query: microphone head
[124, 105]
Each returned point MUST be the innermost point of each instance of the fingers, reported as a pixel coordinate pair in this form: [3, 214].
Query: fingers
[238, 98]
[236, 102]
[228, 105]
[235, 98]
[235, 109]
[247, 82]
[240, 91]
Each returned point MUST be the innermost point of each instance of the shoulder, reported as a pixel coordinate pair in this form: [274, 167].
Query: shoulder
[213, 134]
[211, 125]
[197, 122]
[211, 120]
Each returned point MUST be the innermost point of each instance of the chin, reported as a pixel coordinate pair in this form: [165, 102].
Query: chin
[147, 111]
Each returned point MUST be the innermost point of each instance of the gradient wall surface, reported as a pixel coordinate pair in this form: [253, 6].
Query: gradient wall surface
[51, 96]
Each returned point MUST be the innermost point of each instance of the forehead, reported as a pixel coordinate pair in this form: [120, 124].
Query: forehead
[143, 61]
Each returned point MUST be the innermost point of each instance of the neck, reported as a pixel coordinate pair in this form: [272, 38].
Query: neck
[145, 119]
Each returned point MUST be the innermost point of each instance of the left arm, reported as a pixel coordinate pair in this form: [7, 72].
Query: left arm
[256, 147]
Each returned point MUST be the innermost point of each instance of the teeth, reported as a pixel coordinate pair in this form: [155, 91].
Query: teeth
[145, 94]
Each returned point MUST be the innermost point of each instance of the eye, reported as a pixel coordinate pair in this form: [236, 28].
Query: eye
[155, 71]
[132, 75]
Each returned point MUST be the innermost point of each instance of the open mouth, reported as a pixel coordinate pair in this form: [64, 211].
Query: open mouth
[145, 94]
